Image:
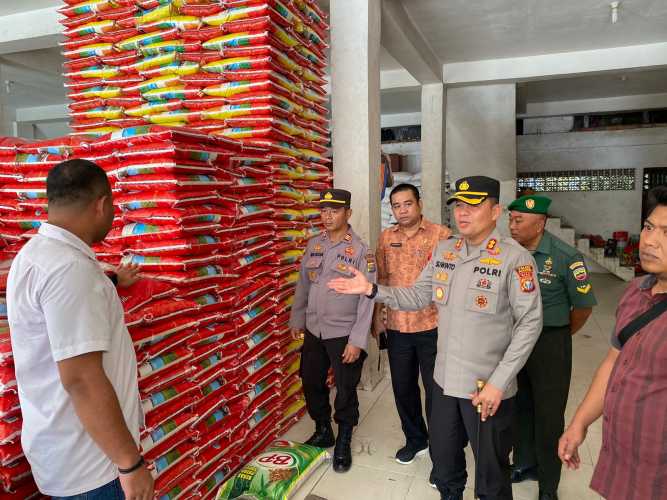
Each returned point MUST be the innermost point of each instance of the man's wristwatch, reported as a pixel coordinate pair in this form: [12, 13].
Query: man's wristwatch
[374, 292]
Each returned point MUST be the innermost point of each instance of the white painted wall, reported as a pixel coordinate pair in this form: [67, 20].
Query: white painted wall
[481, 136]
[596, 212]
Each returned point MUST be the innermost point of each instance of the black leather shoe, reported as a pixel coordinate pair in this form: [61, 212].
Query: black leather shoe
[323, 437]
[520, 474]
[548, 496]
[342, 457]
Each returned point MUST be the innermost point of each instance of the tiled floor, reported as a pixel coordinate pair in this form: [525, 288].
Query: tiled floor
[376, 475]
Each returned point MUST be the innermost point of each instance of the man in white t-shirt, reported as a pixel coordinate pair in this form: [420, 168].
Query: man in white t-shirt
[75, 364]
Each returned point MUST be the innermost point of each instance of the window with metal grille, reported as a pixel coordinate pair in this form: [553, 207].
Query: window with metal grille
[578, 180]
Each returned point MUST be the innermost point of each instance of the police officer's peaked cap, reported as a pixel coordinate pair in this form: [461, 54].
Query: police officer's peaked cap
[531, 204]
[475, 189]
[335, 198]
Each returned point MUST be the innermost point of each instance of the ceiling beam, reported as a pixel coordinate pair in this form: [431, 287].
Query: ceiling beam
[599, 105]
[29, 30]
[397, 79]
[407, 45]
[561, 65]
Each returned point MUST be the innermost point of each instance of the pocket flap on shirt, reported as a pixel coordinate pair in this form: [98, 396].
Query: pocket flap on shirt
[482, 301]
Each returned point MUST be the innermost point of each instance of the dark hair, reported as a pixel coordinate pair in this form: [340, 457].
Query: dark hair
[404, 187]
[76, 182]
[656, 197]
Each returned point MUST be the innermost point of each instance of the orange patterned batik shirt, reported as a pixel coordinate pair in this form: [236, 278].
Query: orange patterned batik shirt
[400, 261]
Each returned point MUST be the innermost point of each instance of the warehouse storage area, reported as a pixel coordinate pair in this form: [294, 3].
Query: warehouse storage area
[221, 124]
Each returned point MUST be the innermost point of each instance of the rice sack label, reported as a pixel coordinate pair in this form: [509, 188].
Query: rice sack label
[274, 474]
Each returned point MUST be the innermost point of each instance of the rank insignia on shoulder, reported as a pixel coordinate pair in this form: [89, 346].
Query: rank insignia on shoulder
[459, 244]
[526, 278]
[491, 261]
[584, 289]
[349, 251]
[492, 247]
[348, 237]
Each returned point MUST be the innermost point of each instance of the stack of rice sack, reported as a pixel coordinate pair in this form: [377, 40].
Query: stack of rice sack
[197, 223]
[217, 229]
[247, 69]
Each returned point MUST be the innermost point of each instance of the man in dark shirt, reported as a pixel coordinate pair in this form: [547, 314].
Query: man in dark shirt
[630, 387]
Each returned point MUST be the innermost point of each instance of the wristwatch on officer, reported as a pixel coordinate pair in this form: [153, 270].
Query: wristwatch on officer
[374, 292]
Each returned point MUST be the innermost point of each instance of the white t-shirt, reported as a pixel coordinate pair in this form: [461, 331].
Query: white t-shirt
[61, 305]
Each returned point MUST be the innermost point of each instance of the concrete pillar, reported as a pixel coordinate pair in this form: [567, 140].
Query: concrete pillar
[433, 109]
[355, 104]
[481, 136]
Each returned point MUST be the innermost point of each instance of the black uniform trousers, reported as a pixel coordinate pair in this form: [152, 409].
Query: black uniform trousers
[454, 424]
[317, 356]
[409, 355]
[544, 384]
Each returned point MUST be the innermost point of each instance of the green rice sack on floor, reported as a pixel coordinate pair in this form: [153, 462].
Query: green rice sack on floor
[274, 474]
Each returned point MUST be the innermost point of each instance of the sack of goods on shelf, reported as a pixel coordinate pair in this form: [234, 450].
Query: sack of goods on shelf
[217, 228]
[245, 69]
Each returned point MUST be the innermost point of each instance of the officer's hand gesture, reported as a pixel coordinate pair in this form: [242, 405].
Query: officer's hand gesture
[490, 398]
[351, 354]
[357, 285]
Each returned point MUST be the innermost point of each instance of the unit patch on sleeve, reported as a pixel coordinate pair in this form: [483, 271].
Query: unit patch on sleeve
[370, 263]
[526, 278]
[580, 273]
[584, 289]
